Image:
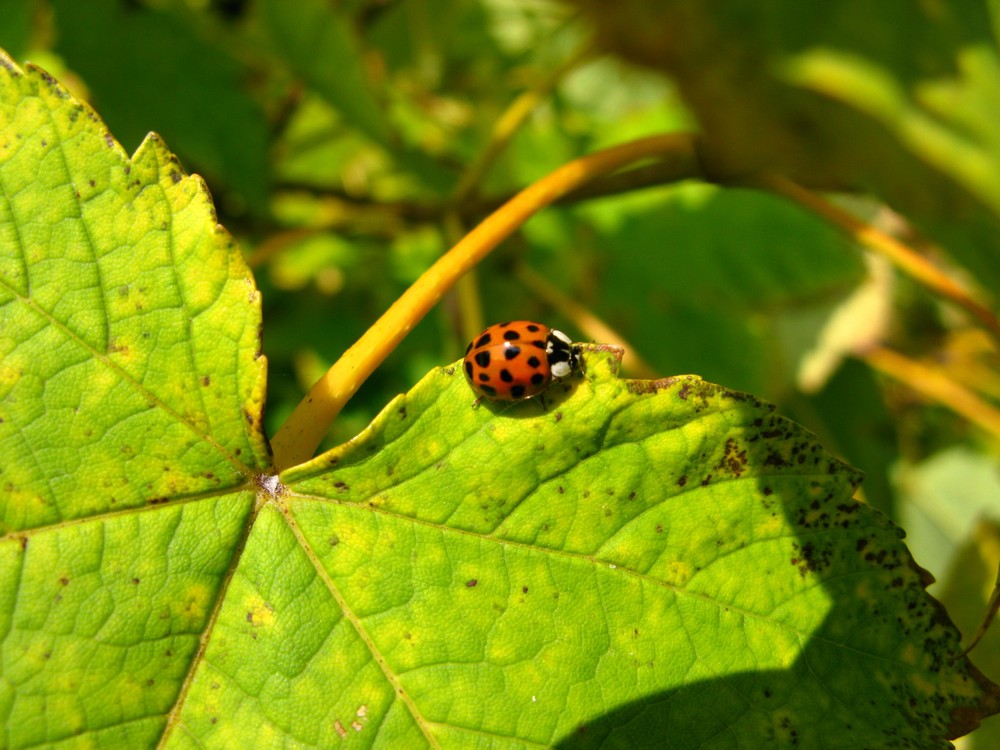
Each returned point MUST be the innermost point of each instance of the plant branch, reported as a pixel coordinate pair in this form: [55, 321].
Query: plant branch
[297, 439]
[899, 254]
[933, 384]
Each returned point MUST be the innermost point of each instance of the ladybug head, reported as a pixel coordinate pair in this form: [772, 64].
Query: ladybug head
[563, 355]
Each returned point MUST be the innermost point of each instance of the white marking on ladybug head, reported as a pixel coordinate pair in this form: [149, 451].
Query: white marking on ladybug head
[561, 369]
[561, 336]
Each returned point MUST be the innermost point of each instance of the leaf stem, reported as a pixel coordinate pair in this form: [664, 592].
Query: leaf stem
[899, 253]
[933, 384]
[297, 439]
[585, 320]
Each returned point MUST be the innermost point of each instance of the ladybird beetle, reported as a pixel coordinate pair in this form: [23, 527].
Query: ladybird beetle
[518, 360]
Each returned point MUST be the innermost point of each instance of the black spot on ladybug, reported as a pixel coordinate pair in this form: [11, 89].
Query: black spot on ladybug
[537, 344]
[511, 352]
[484, 340]
[468, 370]
[511, 335]
[484, 377]
[490, 391]
[483, 359]
[534, 362]
[533, 328]
[506, 377]
[517, 391]
[537, 379]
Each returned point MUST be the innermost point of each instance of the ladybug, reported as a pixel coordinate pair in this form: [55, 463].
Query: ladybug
[518, 360]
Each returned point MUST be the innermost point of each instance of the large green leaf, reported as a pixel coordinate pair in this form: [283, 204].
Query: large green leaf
[628, 562]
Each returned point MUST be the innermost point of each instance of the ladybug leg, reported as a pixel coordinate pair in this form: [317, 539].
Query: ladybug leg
[477, 402]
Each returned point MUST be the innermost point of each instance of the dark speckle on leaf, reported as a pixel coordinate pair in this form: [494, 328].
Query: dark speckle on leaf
[471, 583]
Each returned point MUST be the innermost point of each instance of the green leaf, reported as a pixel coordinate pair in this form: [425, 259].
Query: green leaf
[736, 259]
[899, 97]
[131, 390]
[320, 45]
[613, 565]
[628, 561]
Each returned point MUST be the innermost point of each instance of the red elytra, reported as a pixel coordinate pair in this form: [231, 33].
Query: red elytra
[517, 360]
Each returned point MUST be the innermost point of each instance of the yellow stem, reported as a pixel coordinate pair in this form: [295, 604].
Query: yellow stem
[586, 321]
[297, 439]
[900, 254]
[931, 383]
[504, 130]
[508, 124]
